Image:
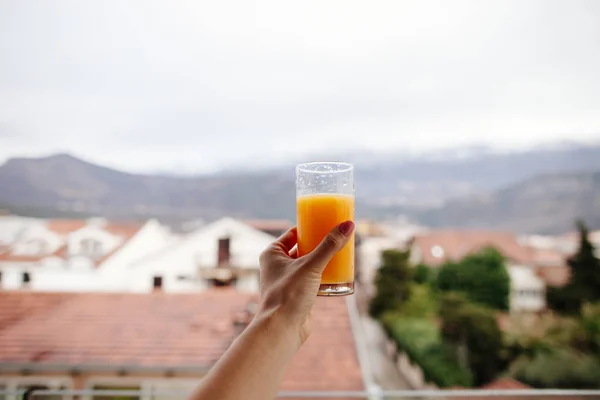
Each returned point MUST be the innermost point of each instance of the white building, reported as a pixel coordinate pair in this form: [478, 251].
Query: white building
[100, 256]
[527, 290]
[225, 252]
[72, 255]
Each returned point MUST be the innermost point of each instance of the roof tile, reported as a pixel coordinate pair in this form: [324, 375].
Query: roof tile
[165, 330]
[455, 244]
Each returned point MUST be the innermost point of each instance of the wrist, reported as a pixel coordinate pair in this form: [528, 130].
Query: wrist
[271, 321]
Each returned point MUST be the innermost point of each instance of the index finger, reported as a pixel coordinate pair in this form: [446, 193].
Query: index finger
[288, 240]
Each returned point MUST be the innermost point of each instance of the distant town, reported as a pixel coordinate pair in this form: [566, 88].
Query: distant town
[84, 303]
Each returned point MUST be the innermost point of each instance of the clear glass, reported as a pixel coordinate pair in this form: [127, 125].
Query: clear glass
[324, 199]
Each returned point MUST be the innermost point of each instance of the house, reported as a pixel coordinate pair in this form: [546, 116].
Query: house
[524, 265]
[222, 253]
[72, 255]
[97, 255]
[155, 341]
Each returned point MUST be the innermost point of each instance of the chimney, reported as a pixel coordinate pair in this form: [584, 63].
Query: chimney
[224, 252]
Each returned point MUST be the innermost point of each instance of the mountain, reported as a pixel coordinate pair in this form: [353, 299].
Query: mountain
[66, 183]
[545, 204]
[454, 189]
[432, 180]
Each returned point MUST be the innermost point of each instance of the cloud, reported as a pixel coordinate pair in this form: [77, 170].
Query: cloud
[201, 85]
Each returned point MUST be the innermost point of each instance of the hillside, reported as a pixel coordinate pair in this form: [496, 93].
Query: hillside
[66, 183]
[544, 204]
[528, 191]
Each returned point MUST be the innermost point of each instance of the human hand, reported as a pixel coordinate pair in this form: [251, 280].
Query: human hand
[289, 284]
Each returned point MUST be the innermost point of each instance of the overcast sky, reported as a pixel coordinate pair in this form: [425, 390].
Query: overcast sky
[193, 86]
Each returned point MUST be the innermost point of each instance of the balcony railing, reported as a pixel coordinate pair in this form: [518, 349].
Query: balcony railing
[45, 394]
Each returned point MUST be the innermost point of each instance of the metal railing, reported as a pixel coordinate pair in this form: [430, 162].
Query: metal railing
[42, 394]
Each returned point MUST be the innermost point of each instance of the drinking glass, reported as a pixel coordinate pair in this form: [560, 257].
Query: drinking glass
[324, 199]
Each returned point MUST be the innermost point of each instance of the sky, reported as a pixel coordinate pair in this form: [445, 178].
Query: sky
[196, 86]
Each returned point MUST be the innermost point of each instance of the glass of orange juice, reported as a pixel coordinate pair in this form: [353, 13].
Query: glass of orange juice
[324, 199]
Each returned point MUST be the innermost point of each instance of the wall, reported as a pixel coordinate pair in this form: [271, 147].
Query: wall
[410, 371]
[527, 291]
[199, 250]
[119, 272]
[12, 274]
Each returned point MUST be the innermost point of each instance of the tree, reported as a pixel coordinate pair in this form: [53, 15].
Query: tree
[421, 302]
[392, 282]
[585, 278]
[424, 274]
[473, 332]
[590, 325]
[482, 277]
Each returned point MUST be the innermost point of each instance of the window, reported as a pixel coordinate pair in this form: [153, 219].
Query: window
[157, 282]
[26, 278]
[224, 251]
[91, 247]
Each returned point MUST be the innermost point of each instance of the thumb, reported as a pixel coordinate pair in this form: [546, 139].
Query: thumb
[335, 240]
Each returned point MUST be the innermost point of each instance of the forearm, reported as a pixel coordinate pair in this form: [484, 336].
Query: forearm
[253, 367]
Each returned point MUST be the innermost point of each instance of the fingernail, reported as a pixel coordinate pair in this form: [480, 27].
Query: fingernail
[346, 228]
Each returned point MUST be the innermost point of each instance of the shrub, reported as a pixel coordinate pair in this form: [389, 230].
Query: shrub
[421, 302]
[392, 282]
[482, 277]
[420, 340]
[558, 369]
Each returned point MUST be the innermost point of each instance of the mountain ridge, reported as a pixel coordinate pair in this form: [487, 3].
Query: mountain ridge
[438, 193]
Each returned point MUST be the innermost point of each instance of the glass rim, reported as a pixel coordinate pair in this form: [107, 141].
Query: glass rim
[343, 167]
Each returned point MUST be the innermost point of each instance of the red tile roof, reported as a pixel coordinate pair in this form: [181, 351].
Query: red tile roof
[456, 244]
[10, 257]
[548, 257]
[555, 276]
[15, 307]
[125, 329]
[164, 330]
[65, 226]
[505, 384]
[328, 360]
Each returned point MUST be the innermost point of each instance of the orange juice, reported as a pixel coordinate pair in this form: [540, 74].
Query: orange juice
[317, 215]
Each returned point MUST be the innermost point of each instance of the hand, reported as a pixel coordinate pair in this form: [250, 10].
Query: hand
[289, 284]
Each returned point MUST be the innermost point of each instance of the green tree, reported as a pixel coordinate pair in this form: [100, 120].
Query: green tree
[590, 325]
[585, 278]
[473, 332]
[392, 282]
[424, 274]
[482, 277]
[421, 302]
